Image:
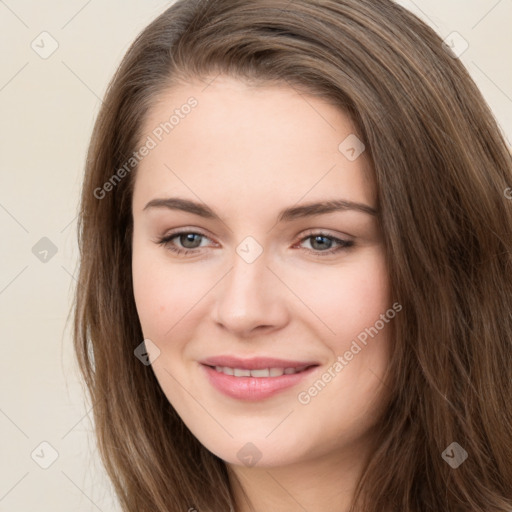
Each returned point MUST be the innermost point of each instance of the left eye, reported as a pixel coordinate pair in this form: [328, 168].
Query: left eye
[191, 241]
[318, 240]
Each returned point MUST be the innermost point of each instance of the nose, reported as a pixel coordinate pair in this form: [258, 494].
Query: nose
[251, 299]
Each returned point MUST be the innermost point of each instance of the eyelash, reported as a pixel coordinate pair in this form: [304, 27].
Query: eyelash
[342, 244]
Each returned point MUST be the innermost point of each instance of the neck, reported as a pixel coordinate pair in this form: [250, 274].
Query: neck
[322, 484]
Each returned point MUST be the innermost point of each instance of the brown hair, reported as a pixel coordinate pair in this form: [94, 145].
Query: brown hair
[441, 167]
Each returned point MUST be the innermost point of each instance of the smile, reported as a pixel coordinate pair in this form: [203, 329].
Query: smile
[255, 384]
[263, 372]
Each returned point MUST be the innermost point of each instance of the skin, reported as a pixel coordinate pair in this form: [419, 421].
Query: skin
[247, 152]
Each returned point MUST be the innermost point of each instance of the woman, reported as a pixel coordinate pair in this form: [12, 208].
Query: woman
[259, 369]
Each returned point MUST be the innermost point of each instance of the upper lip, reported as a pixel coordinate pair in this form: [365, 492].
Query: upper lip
[255, 363]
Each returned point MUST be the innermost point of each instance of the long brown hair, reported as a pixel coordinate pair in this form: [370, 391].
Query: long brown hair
[442, 170]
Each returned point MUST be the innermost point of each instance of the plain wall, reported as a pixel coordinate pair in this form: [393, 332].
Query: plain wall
[48, 106]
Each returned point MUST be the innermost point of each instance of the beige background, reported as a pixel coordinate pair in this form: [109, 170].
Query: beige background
[47, 112]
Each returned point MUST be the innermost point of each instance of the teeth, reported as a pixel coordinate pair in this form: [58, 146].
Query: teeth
[241, 373]
[264, 372]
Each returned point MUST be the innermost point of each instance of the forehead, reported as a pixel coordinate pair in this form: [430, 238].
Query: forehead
[259, 141]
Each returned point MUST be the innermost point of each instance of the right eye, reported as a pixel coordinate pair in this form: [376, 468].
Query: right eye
[185, 238]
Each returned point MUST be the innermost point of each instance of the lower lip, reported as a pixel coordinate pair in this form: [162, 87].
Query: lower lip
[253, 388]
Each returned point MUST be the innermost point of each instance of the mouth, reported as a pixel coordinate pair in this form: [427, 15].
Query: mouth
[260, 373]
[254, 379]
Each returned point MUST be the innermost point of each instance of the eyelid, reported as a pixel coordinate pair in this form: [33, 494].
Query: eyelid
[185, 231]
[326, 232]
[299, 238]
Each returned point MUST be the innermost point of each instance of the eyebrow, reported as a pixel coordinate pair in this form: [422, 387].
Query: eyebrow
[288, 214]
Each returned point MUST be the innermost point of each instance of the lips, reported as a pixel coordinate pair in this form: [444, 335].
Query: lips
[254, 379]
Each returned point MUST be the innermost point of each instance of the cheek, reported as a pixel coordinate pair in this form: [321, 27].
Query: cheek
[350, 298]
[154, 291]
[165, 293]
[147, 293]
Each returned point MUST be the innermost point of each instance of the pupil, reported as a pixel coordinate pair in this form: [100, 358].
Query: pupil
[320, 238]
[189, 238]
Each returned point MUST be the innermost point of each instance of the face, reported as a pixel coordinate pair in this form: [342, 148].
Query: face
[268, 318]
